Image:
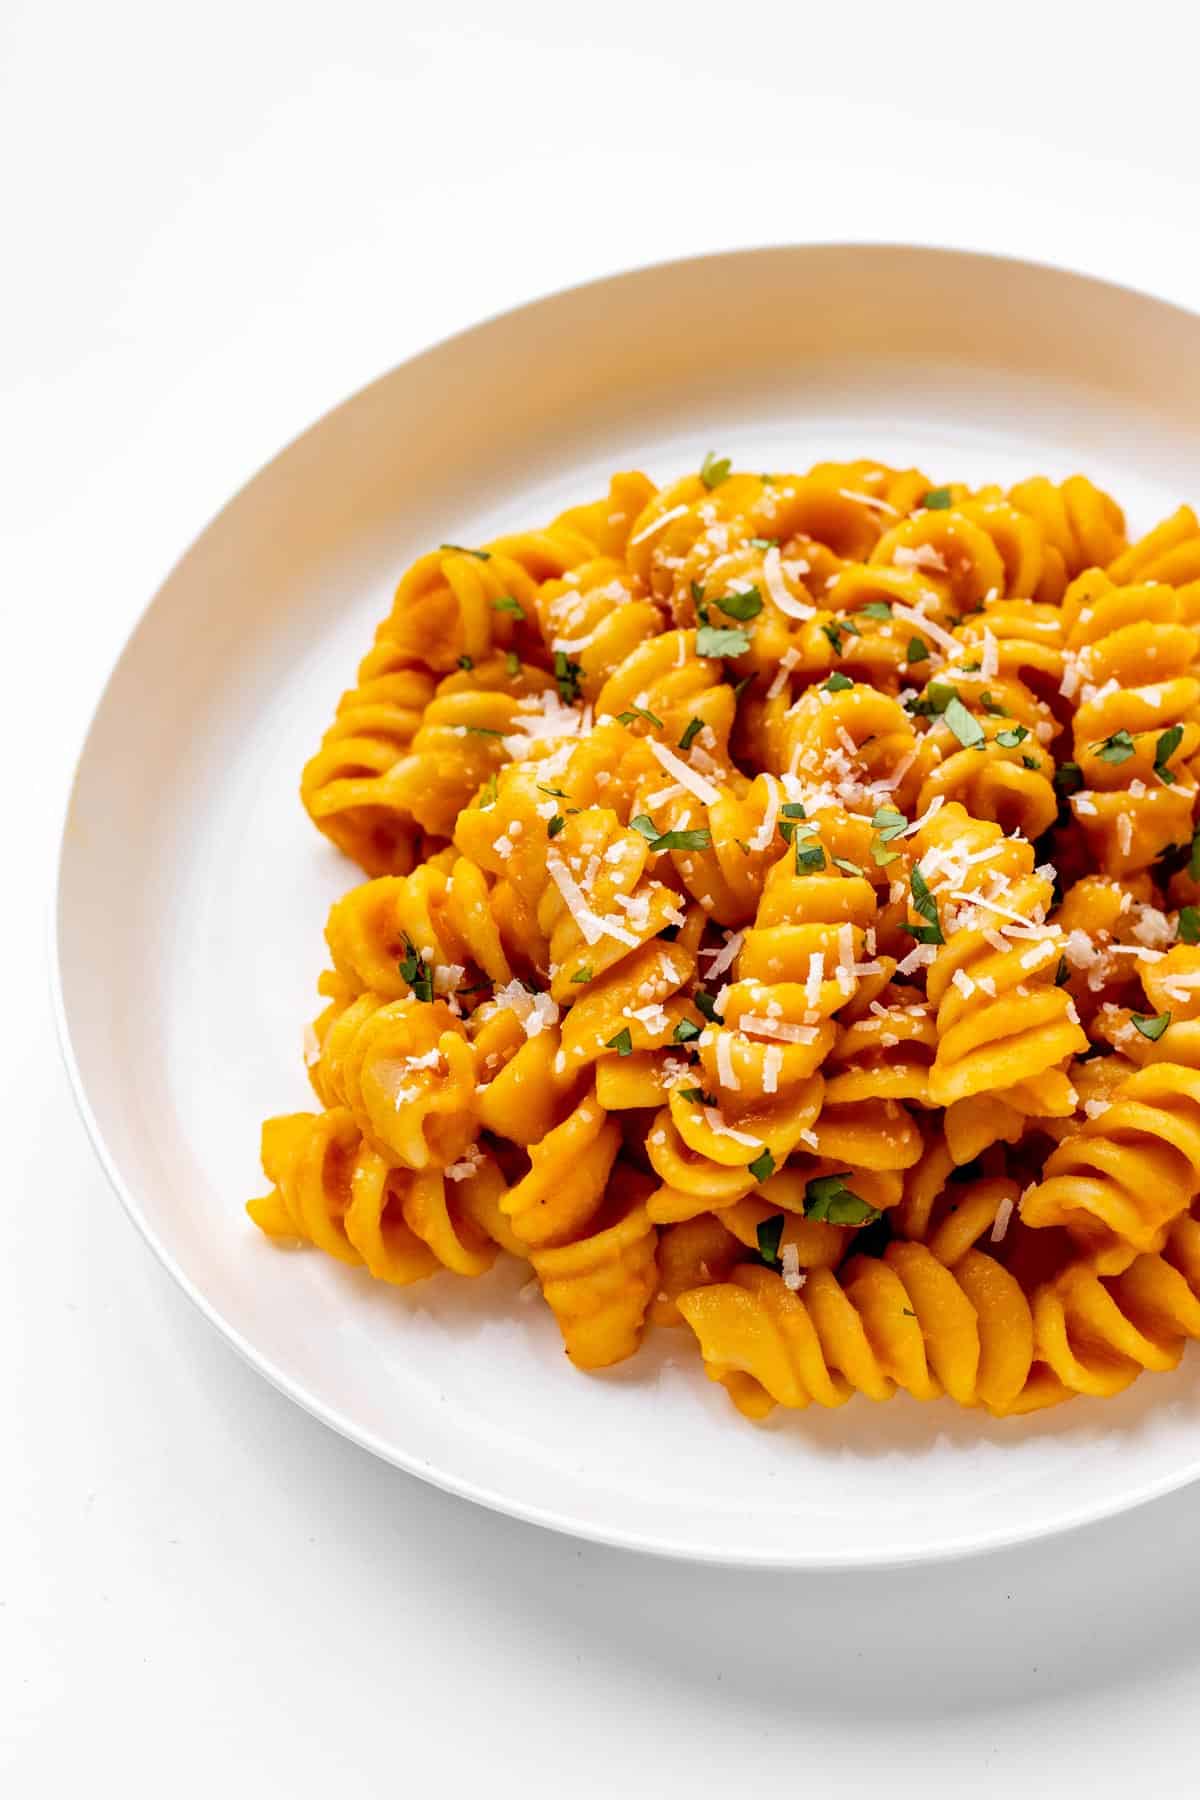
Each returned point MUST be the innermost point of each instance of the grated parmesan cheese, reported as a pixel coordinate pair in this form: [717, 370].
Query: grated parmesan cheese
[780, 594]
[1004, 1213]
[704, 790]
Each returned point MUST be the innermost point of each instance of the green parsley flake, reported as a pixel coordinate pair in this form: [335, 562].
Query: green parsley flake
[512, 662]
[967, 730]
[714, 470]
[876, 609]
[828, 1198]
[697, 1096]
[481, 731]
[746, 605]
[809, 858]
[583, 973]
[466, 662]
[694, 728]
[683, 840]
[763, 1167]
[1151, 1028]
[566, 674]
[837, 683]
[918, 650]
[704, 1003]
[769, 1233]
[1115, 749]
[1068, 778]
[638, 712]
[555, 826]
[1011, 738]
[507, 603]
[461, 550]
[1164, 750]
[1189, 925]
[847, 868]
[416, 971]
[721, 640]
[924, 903]
[938, 499]
[622, 1043]
[685, 1032]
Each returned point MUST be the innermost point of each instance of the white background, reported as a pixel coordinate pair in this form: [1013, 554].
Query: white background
[214, 223]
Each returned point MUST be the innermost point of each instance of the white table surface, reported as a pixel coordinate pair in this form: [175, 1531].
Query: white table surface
[217, 221]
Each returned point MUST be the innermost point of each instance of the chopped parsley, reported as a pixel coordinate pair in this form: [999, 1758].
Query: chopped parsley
[566, 674]
[704, 1003]
[683, 840]
[918, 650]
[746, 605]
[1030, 762]
[488, 795]
[924, 903]
[1063, 973]
[763, 1167]
[1151, 1028]
[1068, 778]
[555, 825]
[835, 630]
[938, 499]
[685, 1032]
[888, 824]
[508, 603]
[639, 712]
[721, 640]
[933, 702]
[670, 840]
[1164, 750]
[512, 662]
[481, 731]
[828, 1198]
[1194, 858]
[416, 971]
[697, 1096]
[837, 683]
[809, 857]
[582, 973]
[694, 728]
[555, 793]
[1016, 734]
[847, 868]
[1189, 925]
[466, 662]
[967, 730]
[769, 1233]
[714, 470]
[1115, 749]
[987, 699]
[876, 609]
[762, 543]
[461, 550]
[622, 1043]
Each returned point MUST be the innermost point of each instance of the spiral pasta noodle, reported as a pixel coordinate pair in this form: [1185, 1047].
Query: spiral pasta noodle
[781, 924]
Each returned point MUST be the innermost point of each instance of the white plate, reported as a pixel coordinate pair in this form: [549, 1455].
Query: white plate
[193, 889]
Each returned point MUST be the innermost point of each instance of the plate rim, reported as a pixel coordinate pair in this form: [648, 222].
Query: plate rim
[804, 1559]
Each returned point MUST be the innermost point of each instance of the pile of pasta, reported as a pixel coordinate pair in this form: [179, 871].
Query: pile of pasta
[781, 924]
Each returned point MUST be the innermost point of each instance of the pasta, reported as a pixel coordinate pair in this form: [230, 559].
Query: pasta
[780, 925]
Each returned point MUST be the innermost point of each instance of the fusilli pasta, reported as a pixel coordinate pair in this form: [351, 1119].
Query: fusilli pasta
[782, 920]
